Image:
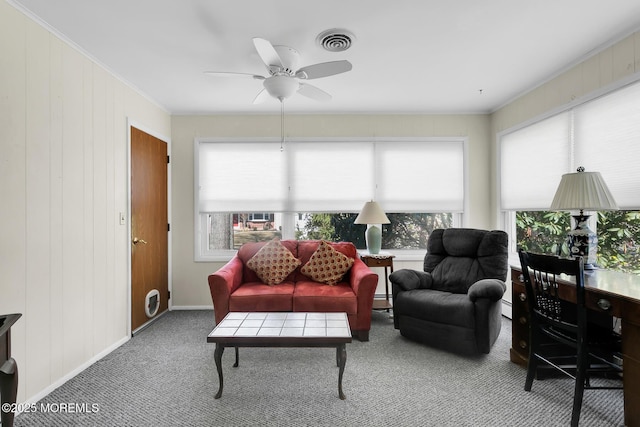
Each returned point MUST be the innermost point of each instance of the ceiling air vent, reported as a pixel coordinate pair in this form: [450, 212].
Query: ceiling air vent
[335, 40]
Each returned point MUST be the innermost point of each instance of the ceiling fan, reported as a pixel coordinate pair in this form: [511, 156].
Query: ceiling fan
[285, 78]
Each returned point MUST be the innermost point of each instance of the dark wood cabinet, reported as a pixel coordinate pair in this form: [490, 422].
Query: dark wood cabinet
[519, 352]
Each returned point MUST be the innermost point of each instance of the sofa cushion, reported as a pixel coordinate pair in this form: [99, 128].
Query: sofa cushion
[327, 265]
[313, 296]
[248, 250]
[306, 248]
[273, 262]
[257, 296]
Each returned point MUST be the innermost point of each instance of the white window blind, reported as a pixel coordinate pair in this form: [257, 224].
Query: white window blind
[603, 135]
[607, 140]
[241, 177]
[420, 177]
[330, 176]
[532, 161]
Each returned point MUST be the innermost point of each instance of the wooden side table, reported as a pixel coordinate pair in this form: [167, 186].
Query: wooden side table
[383, 259]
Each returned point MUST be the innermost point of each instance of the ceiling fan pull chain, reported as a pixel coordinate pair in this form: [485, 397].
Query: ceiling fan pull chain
[281, 125]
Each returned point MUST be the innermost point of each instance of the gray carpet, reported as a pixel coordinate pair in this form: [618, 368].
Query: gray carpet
[165, 376]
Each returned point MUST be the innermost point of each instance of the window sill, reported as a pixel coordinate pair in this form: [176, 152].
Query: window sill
[217, 257]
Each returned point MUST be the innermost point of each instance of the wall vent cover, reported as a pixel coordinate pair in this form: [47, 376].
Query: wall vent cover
[335, 40]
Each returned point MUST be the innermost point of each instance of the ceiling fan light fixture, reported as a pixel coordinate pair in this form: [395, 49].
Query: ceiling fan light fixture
[281, 87]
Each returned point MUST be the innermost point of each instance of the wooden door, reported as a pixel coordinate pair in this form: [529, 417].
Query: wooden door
[149, 225]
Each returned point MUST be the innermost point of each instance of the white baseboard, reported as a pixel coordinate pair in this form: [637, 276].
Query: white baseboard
[35, 398]
[149, 322]
[44, 392]
[506, 309]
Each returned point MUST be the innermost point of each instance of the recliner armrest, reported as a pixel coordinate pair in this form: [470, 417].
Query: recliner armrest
[407, 279]
[493, 289]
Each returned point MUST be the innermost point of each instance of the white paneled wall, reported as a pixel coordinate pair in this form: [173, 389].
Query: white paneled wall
[63, 183]
[605, 68]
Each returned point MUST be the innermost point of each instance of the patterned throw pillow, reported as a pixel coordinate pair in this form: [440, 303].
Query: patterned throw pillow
[273, 262]
[327, 265]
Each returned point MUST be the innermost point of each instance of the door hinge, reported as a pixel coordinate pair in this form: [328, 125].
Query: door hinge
[168, 159]
[168, 295]
[168, 227]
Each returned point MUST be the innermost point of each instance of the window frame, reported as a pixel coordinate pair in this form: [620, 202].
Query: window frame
[506, 218]
[203, 254]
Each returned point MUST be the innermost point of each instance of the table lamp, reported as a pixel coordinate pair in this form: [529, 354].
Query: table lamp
[372, 215]
[583, 191]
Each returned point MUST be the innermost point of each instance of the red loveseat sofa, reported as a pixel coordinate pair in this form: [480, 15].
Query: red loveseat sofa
[236, 287]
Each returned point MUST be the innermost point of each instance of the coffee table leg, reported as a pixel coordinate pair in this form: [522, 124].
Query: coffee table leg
[235, 365]
[218, 358]
[342, 360]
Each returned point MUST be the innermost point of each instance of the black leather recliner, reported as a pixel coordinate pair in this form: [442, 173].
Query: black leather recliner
[455, 303]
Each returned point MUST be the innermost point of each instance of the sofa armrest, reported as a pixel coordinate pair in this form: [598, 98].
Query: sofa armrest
[406, 279]
[222, 283]
[492, 289]
[364, 282]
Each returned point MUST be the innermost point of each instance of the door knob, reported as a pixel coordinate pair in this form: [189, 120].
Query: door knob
[136, 241]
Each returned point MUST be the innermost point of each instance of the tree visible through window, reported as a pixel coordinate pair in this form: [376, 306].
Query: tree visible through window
[405, 231]
[618, 236]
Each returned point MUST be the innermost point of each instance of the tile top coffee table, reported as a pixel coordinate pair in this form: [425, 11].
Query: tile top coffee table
[239, 329]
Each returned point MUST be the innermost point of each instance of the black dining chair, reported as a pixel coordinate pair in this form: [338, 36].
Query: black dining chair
[561, 336]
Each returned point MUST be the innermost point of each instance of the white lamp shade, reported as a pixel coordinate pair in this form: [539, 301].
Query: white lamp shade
[372, 213]
[585, 191]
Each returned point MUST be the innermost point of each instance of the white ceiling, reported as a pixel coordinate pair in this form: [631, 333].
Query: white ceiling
[409, 56]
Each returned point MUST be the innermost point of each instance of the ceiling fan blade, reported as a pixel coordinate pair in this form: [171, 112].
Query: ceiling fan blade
[267, 53]
[230, 74]
[313, 92]
[324, 69]
[261, 97]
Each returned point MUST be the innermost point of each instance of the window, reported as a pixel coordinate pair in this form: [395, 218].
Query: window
[259, 217]
[617, 231]
[533, 160]
[602, 135]
[253, 190]
[224, 231]
[406, 231]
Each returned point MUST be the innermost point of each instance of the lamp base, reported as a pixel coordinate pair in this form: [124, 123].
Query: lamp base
[373, 237]
[583, 242]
